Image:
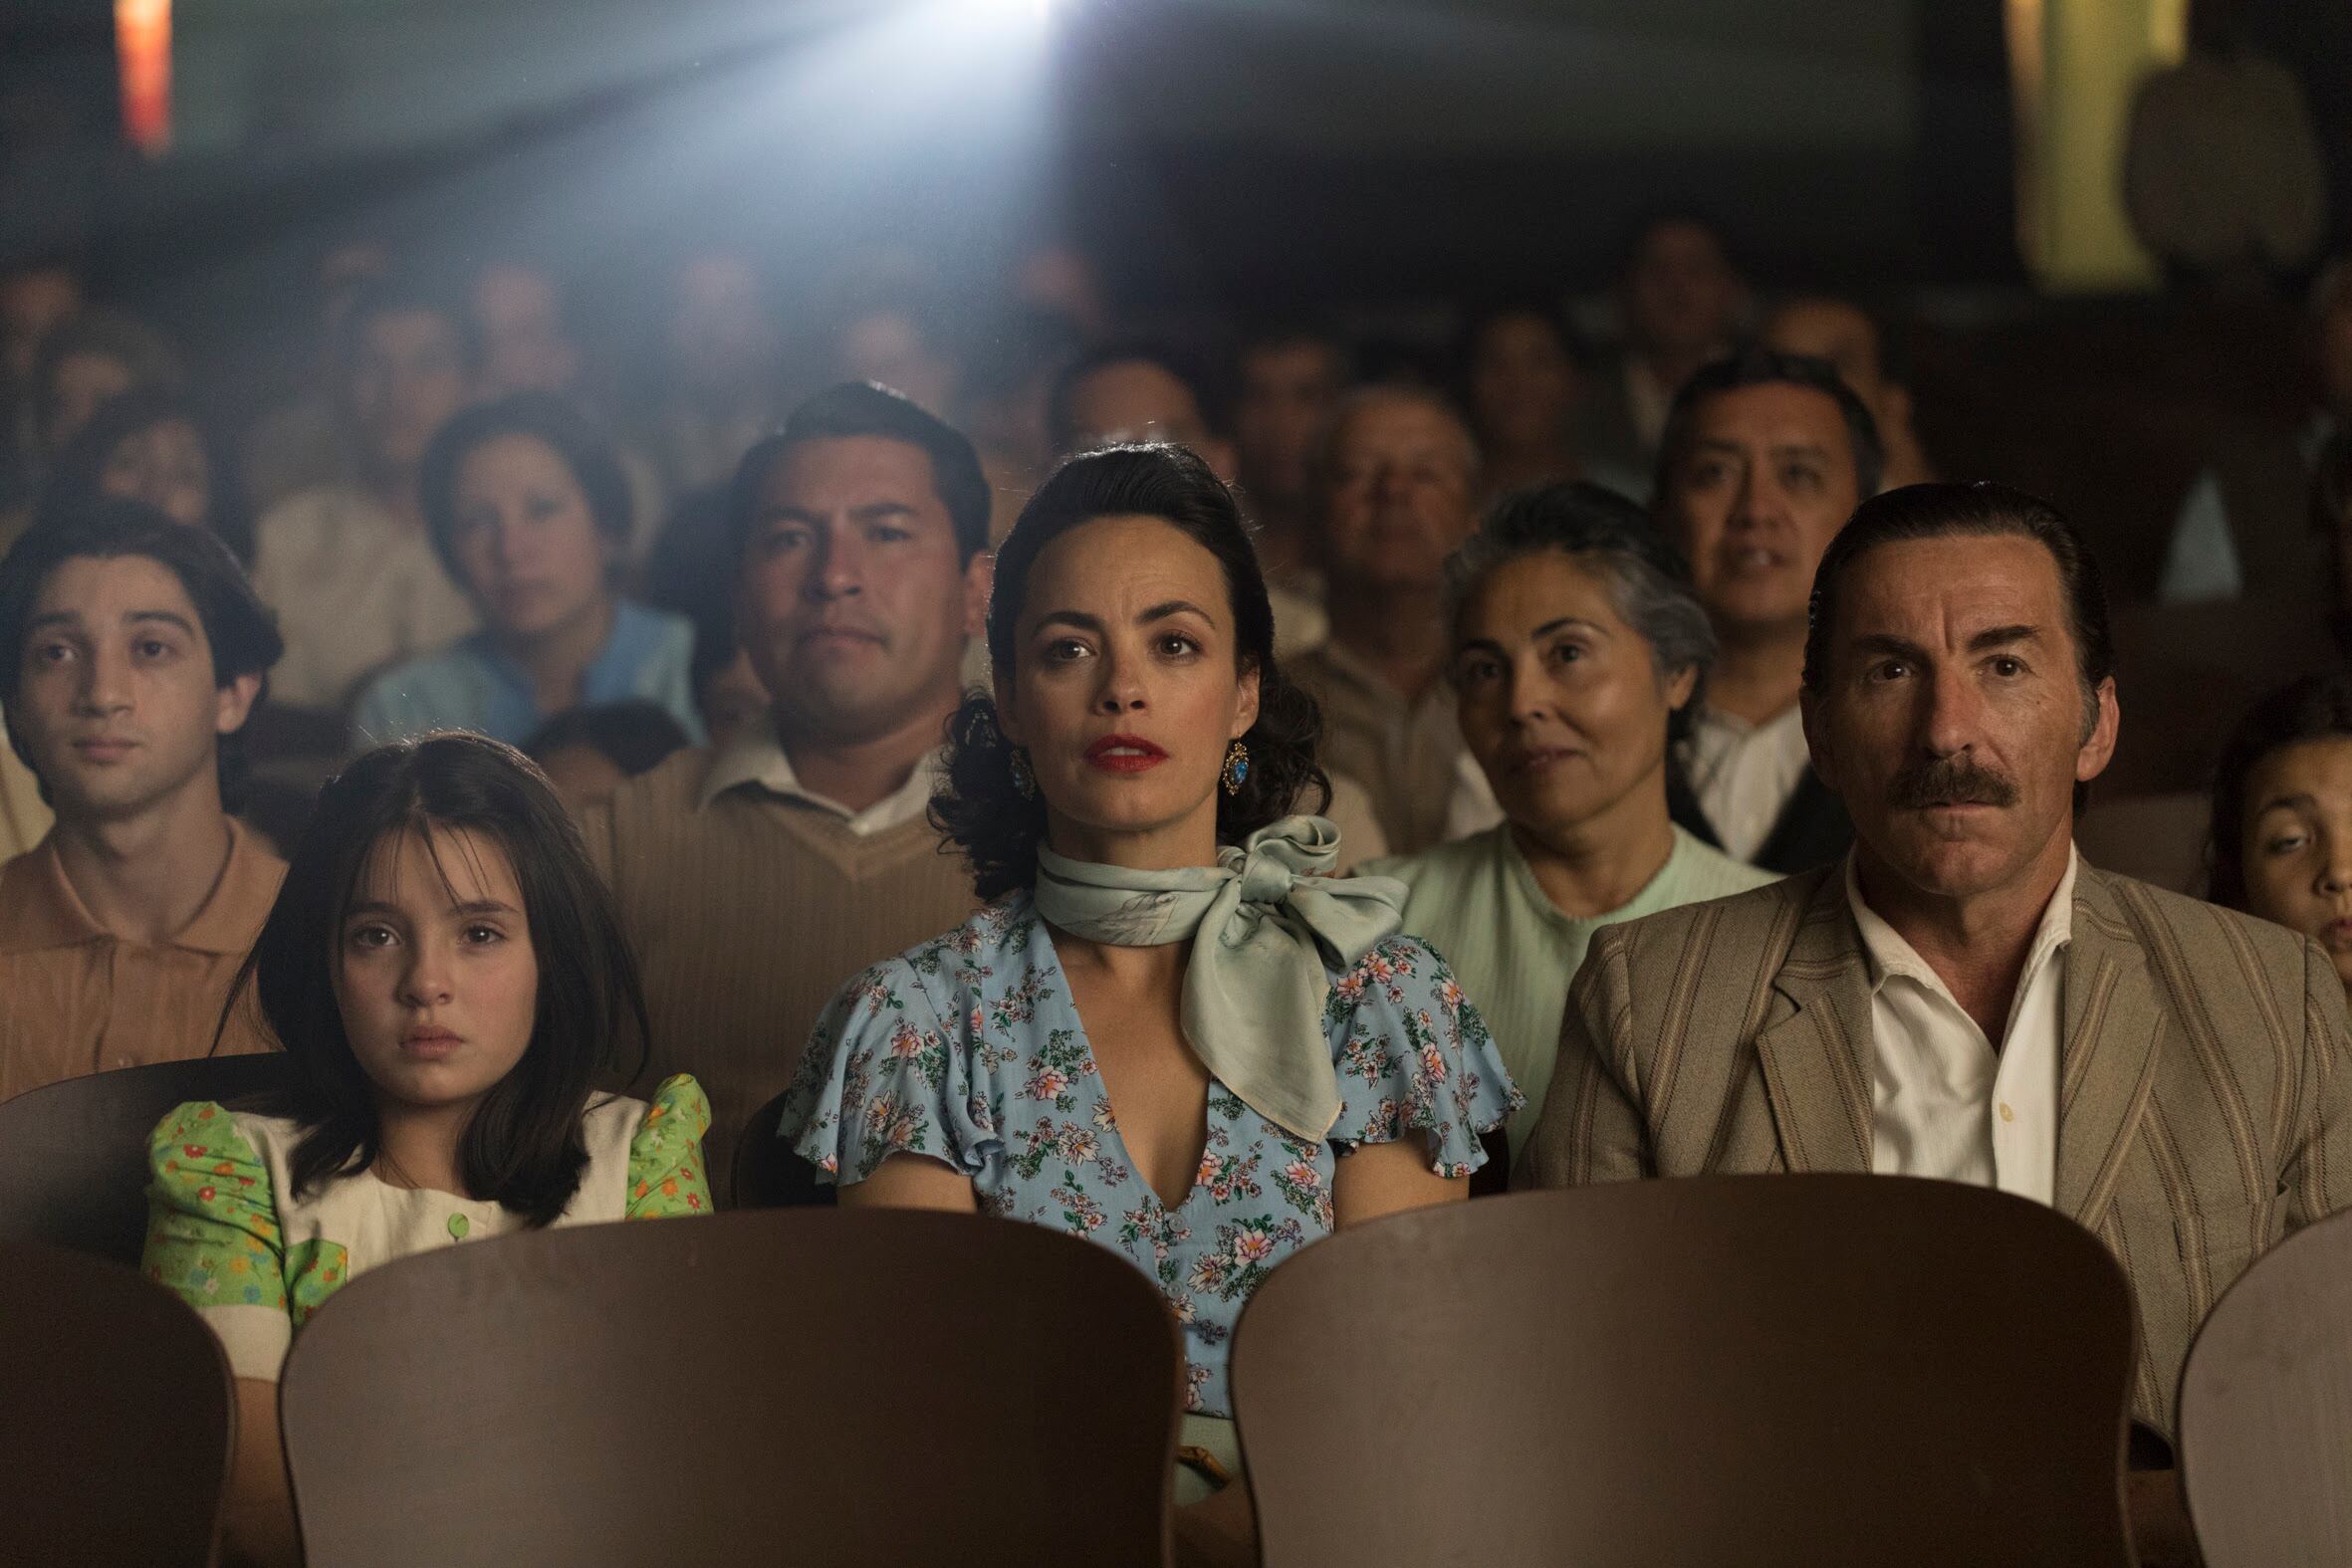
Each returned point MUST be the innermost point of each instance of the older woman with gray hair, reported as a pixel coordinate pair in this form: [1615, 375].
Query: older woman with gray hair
[1577, 647]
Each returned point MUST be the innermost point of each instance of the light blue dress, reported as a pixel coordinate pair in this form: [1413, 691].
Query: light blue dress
[967, 1050]
[473, 685]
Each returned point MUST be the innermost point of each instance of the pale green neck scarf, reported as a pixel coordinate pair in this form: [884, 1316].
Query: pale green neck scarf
[1261, 921]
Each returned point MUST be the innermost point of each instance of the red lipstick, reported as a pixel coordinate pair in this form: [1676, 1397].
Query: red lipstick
[1125, 753]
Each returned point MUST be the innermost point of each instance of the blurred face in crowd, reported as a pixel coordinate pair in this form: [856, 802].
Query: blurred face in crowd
[1138, 400]
[1401, 496]
[1059, 279]
[1287, 394]
[519, 313]
[78, 385]
[892, 348]
[34, 302]
[1682, 296]
[116, 698]
[1522, 383]
[528, 548]
[435, 975]
[1763, 483]
[407, 376]
[2297, 842]
[1951, 717]
[723, 341]
[853, 603]
[1125, 690]
[164, 466]
[1843, 334]
[1561, 698]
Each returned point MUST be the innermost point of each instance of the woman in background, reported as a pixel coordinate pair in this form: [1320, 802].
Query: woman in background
[151, 445]
[528, 506]
[446, 972]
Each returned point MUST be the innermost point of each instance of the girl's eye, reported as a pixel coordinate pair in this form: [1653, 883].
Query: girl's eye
[483, 935]
[1063, 649]
[372, 937]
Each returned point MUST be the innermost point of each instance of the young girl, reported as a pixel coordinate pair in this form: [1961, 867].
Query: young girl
[446, 974]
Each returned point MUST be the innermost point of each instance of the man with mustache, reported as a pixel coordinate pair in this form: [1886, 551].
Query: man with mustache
[1915, 1009]
[131, 650]
[1766, 455]
[756, 878]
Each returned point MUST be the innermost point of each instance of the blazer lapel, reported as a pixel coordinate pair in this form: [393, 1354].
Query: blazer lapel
[1815, 1047]
[2107, 1057]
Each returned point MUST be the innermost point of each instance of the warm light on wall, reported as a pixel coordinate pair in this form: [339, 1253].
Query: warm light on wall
[142, 59]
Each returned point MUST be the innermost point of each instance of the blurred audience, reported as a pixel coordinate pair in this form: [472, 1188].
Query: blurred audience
[130, 652]
[1399, 474]
[1578, 648]
[1523, 388]
[861, 533]
[2281, 844]
[2240, 528]
[1765, 456]
[86, 361]
[151, 444]
[1289, 382]
[588, 752]
[446, 974]
[721, 377]
[1681, 299]
[1142, 751]
[348, 566]
[894, 335]
[527, 508]
[308, 440]
[1862, 349]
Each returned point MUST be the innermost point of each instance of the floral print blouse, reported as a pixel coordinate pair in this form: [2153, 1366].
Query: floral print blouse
[968, 1051]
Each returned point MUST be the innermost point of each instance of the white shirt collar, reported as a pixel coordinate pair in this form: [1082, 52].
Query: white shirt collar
[1888, 955]
[756, 759]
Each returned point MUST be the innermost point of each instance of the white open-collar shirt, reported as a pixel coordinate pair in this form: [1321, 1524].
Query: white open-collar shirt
[1946, 1104]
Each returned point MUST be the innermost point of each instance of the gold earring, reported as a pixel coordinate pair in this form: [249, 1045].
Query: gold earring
[1024, 779]
[1237, 769]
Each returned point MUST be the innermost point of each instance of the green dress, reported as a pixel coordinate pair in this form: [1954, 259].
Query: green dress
[228, 1235]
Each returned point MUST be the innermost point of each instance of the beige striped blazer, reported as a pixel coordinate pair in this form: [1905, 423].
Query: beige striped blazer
[2205, 1099]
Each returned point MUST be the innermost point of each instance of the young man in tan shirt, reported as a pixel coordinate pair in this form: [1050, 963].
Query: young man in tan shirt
[130, 649]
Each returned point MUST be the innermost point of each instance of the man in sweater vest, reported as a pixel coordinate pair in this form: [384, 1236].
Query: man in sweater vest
[756, 878]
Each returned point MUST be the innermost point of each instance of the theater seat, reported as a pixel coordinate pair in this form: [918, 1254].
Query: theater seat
[767, 1173]
[2266, 1409]
[2157, 839]
[121, 1415]
[1787, 1369]
[74, 1154]
[849, 1386]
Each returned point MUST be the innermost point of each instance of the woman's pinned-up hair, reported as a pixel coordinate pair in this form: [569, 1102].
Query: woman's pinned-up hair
[523, 1147]
[978, 806]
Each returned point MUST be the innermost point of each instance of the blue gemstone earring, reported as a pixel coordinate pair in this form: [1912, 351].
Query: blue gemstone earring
[1237, 769]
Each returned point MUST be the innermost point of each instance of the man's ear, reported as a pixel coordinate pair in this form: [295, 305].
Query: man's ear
[2098, 742]
[235, 703]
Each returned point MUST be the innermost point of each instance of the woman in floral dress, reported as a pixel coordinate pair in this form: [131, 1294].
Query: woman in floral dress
[1171, 1031]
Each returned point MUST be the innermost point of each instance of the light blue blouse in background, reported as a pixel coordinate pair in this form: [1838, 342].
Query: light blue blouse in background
[472, 684]
[967, 1050]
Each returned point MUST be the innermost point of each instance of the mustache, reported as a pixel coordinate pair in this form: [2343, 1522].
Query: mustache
[1950, 781]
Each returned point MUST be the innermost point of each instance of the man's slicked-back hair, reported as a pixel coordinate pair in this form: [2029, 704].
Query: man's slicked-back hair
[1760, 367]
[862, 408]
[1972, 510]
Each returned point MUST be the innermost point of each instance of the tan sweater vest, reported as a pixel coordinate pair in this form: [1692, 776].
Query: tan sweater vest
[748, 915]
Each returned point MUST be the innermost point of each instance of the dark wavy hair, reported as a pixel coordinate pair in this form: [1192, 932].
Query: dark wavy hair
[523, 1147]
[591, 455]
[977, 806]
[75, 476]
[2313, 708]
[240, 631]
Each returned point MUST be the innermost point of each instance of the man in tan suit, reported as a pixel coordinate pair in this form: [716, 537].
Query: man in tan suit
[1963, 998]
